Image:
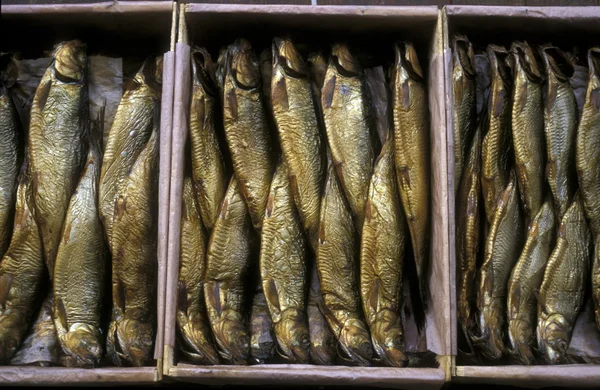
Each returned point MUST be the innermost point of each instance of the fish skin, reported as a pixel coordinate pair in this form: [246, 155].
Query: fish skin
[411, 132]
[382, 261]
[247, 128]
[79, 273]
[465, 110]
[468, 232]
[134, 264]
[209, 171]
[528, 128]
[262, 336]
[21, 273]
[283, 258]
[524, 282]
[129, 134]
[563, 288]
[192, 321]
[57, 141]
[300, 138]
[350, 136]
[496, 144]
[560, 127]
[337, 264]
[228, 259]
[503, 246]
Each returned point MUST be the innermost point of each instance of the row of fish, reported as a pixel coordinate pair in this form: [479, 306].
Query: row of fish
[528, 200]
[293, 232]
[70, 210]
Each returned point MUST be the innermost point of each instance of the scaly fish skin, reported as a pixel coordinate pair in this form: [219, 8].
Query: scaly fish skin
[495, 149]
[299, 135]
[283, 257]
[192, 322]
[503, 246]
[337, 264]
[209, 172]
[525, 279]
[227, 262]
[134, 265]
[528, 128]
[247, 129]
[349, 134]
[21, 274]
[411, 131]
[57, 133]
[382, 261]
[262, 337]
[134, 120]
[560, 126]
[465, 112]
[563, 287]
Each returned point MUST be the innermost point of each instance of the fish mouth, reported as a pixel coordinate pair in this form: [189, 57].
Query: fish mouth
[406, 57]
[232, 339]
[243, 66]
[525, 58]
[553, 338]
[463, 51]
[70, 61]
[286, 56]
[196, 346]
[345, 63]
[558, 62]
[130, 341]
[388, 339]
[82, 345]
[203, 71]
[293, 338]
[355, 342]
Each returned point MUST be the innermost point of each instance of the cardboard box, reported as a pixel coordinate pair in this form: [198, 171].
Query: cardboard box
[118, 29]
[566, 27]
[214, 25]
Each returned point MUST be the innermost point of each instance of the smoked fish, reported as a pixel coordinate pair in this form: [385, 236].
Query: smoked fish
[262, 336]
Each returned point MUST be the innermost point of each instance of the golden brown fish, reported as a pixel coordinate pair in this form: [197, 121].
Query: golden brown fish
[495, 149]
[57, 138]
[563, 287]
[227, 262]
[209, 172]
[318, 69]
[351, 138]
[299, 134]
[337, 263]
[411, 132]
[21, 274]
[134, 264]
[262, 336]
[465, 113]
[79, 273]
[322, 341]
[502, 249]
[382, 261]
[528, 128]
[247, 128]
[192, 322]
[524, 282]
[283, 258]
[560, 126]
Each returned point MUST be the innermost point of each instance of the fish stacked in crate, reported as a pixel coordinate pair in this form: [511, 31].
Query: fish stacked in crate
[294, 233]
[527, 211]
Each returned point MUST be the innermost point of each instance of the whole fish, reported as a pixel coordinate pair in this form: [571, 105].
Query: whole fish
[465, 114]
[209, 172]
[134, 120]
[247, 129]
[524, 282]
[468, 231]
[563, 287]
[495, 149]
[528, 128]
[134, 264]
[192, 322]
[262, 337]
[351, 138]
[227, 261]
[283, 258]
[337, 264]
[299, 134]
[79, 273]
[382, 261]
[322, 341]
[560, 126]
[502, 249]
[411, 131]
[10, 131]
[57, 141]
[21, 274]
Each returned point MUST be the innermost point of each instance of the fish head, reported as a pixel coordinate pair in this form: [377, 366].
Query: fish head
[196, 341]
[136, 338]
[520, 336]
[243, 66]
[70, 60]
[344, 61]
[388, 338]
[232, 337]
[406, 63]
[355, 342]
[293, 339]
[557, 63]
[203, 71]
[262, 341]
[11, 333]
[464, 56]
[491, 323]
[82, 343]
[524, 58]
[554, 336]
[287, 59]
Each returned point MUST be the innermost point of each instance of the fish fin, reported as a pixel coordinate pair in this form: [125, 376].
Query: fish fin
[280, 94]
[182, 301]
[62, 313]
[272, 296]
[42, 93]
[406, 94]
[5, 283]
[328, 91]
[232, 104]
